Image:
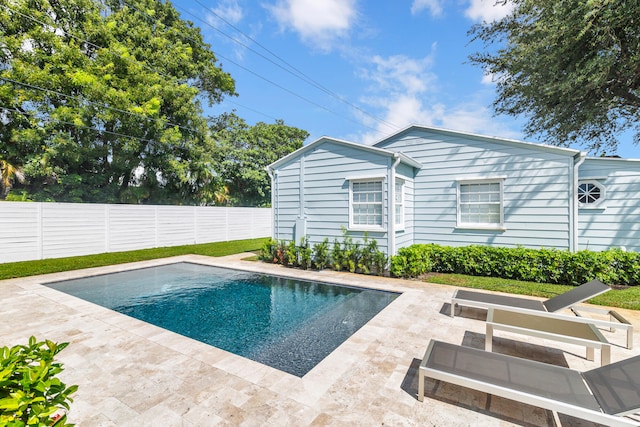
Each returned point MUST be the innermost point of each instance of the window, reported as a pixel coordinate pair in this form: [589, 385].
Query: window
[366, 204]
[480, 203]
[399, 203]
[590, 193]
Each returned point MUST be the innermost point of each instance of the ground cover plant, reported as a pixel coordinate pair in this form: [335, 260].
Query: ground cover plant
[54, 265]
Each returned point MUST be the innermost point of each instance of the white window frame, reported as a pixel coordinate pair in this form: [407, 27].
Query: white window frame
[598, 203]
[366, 227]
[480, 225]
[399, 218]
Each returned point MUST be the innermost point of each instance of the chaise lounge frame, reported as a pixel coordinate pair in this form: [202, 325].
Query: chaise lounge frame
[603, 395]
[567, 300]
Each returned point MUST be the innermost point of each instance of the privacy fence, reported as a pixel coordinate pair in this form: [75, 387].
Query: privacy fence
[31, 231]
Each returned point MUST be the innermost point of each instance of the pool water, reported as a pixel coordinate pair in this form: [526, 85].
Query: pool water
[288, 324]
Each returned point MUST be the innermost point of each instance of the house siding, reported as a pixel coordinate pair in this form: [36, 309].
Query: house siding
[537, 185]
[615, 222]
[405, 237]
[323, 191]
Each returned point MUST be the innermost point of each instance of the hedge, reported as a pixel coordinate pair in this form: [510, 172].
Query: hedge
[613, 267]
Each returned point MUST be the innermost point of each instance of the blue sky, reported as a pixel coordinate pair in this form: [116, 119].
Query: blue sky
[358, 70]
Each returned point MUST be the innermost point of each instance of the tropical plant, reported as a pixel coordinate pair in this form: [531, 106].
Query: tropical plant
[8, 173]
[31, 394]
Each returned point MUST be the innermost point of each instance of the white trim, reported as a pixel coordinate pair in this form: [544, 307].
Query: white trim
[480, 178]
[597, 203]
[402, 225]
[366, 227]
[480, 226]
[365, 177]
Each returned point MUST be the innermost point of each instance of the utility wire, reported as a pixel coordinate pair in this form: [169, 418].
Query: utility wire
[77, 98]
[172, 77]
[50, 119]
[299, 74]
[292, 69]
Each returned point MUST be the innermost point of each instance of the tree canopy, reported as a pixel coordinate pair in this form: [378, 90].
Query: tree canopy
[570, 67]
[102, 102]
[243, 152]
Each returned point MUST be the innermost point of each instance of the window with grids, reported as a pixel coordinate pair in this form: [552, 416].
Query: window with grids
[480, 203]
[366, 203]
[399, 202]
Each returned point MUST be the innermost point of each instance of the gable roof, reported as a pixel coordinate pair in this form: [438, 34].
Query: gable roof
[541, 147]
[325, 139]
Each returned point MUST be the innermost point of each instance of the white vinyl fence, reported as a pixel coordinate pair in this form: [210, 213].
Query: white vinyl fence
[30, 231]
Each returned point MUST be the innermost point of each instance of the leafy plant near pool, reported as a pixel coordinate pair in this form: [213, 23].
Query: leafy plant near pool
[348, 254]
[30, 392]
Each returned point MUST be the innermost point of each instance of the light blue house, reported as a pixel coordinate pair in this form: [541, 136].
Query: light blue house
[428, 185]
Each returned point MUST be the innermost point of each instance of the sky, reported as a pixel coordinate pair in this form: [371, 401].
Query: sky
[357, 70]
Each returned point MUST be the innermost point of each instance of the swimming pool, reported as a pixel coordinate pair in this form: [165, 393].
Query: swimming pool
[288, 324]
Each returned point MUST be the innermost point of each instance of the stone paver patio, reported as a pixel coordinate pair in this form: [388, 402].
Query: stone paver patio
[131, 373]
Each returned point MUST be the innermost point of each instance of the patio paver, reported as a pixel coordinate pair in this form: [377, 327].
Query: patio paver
[133, 374]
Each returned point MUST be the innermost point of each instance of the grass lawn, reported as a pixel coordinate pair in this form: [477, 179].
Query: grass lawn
[55, 265]
[625, 298]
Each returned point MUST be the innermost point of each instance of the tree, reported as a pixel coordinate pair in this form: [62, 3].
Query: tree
[242, 153]
[101, 102]
[571, 67]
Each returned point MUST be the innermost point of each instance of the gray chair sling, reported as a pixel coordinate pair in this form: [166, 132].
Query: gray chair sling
[569, 299]
[604, 395]
[574, 296]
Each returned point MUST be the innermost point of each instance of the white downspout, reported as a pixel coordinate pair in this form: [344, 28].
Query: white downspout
[274, 206]
[574, 243]
[392, 206]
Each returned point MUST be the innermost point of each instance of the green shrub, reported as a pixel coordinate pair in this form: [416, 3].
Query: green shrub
[304, 253]
[30, 393]
[321, 258]
[614, 267]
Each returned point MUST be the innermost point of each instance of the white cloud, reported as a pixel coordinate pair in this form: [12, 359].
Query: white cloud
[319, 23]
[230, 10]
[487, 10]
[398, 87]
[434, 6]
[405, 91]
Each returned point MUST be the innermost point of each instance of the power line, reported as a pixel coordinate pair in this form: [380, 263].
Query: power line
[257, 74]
[97, 47]
[302, 76]
[77, 98]
[293, 70]
[50, 119]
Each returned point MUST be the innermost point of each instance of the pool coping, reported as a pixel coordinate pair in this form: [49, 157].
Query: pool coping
[371, 378]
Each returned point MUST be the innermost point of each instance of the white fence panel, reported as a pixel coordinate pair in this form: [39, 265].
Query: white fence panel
[211, 224]
[131, 227]
[19, 231]
[176, 225]
[30, 231]
[72, 230]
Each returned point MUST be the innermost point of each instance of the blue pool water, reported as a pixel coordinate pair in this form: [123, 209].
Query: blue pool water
[288, 324]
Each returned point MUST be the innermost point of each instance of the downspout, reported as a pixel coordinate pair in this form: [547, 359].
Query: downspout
[392, 206]
[578, 160]
[274, 206]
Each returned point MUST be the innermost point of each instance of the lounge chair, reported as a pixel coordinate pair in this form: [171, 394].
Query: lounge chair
[569, 299]
[604, 395]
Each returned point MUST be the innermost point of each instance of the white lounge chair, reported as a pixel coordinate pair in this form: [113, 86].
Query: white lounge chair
[604, 395]
[569, 299]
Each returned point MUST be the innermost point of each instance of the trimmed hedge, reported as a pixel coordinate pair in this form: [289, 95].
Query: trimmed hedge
[613, 267]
